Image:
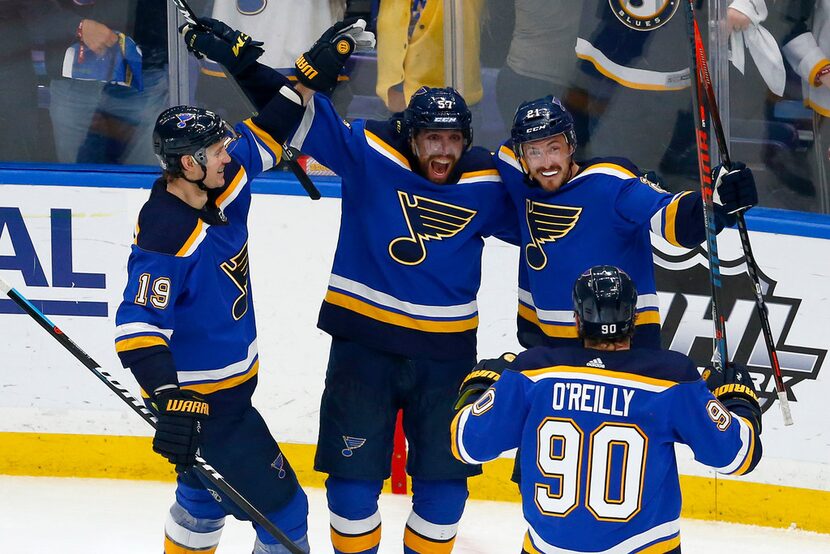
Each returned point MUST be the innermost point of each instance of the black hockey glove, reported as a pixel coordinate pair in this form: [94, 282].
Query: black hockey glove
[734, 188]
[213, 39]
[484, 374]
[179, 425]
[737, 394]
[319, 68]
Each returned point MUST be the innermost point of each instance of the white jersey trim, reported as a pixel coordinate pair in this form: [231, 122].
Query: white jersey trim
[231, 370]
[509, 159]
[664, 530]
[560, 317]
[489, 178]
[630, 77]
[266, 157]
[380, 149]
[459, 437]
[740, 457]
[389, 301]
[239, 186]
[605, 379]
[298, 139]
[603, 170]
[139, 328]
[200, 238]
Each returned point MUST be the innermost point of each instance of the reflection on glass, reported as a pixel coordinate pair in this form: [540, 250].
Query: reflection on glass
[621, 69]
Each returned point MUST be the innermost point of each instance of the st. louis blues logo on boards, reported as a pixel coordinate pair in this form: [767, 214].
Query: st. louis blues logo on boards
[279, 465]
[426, 219]
[546, 223]
[685, 299]
[352, 443]
[644, 15]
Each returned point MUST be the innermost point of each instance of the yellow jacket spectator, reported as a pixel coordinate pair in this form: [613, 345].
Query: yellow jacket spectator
[410, 49]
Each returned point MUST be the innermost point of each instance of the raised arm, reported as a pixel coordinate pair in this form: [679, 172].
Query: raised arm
[318, 69]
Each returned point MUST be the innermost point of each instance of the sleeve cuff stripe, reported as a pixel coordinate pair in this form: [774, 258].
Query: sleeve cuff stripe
[135, 343]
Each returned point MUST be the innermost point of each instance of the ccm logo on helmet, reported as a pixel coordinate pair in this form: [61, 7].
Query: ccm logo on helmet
[534, 129]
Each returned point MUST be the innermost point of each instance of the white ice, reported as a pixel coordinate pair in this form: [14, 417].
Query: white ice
[40, 515]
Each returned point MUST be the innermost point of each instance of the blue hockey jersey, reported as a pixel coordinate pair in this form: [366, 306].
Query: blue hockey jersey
[187, 313]
[407, 267]
[597, 432]
[603, 215]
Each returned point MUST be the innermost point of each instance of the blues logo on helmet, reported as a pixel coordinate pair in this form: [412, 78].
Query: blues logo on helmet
[438, 108]
[605, 301]
[539, 119]
[188, 130]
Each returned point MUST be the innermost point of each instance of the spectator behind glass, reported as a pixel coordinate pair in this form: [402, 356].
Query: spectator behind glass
[634, 73]
[18, 86]
[101, 122]
[411, 49]
[541, 58]
[285, 26]
[806, 47]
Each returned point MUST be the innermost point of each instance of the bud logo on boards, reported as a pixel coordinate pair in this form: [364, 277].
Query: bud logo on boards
[685, 302]
[18, 254]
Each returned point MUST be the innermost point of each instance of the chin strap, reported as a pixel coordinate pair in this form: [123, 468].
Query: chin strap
[198, 182]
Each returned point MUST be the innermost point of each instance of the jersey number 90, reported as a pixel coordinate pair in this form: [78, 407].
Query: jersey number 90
[615, 450]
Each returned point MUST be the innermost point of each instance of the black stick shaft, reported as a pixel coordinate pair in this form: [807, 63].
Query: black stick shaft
[190, 16]
[704, 80]
[137, 406]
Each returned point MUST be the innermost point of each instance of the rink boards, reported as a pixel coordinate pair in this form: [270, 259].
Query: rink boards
[64, 240]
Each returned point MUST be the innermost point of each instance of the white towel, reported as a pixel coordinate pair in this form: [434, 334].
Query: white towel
[761, 45]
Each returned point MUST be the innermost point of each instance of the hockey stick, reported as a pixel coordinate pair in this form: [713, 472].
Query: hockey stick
[703, 85]
[287, 155]
[201, 465]
[702, 136]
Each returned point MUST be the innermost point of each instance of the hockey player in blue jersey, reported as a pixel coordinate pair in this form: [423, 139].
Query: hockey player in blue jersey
[575, 214]
[417, 202]
[186, 326]
[597, 426]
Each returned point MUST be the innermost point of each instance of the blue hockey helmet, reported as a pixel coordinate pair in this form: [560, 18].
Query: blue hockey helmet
[539, 119]
[605, 301]
[438, 108]
[188, 130]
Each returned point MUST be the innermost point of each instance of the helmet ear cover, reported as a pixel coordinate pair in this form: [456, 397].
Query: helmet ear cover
[438, 108]
[605, 303]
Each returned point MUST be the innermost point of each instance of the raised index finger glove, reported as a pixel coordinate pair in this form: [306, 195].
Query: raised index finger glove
[319, 68]
[734, 188]
[484, 374]
[179, 425]
[213, 39]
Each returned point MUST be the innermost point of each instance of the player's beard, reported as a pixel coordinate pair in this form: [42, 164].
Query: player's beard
[555, 182]
[438, 169]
